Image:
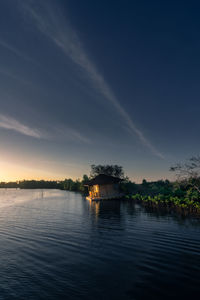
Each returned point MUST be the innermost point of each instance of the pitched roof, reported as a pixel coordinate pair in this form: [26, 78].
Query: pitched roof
[102, 179]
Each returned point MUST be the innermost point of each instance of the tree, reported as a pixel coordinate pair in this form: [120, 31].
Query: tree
[188, 173]
[110, 170]
[85, 179]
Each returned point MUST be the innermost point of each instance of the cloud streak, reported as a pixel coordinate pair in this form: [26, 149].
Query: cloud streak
[70, 134]
[13, 76]
[50, 21]
[12, 124]
[16, 51]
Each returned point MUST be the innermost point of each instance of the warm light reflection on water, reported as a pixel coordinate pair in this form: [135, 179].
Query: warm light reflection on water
[57, 245]
[94, 207]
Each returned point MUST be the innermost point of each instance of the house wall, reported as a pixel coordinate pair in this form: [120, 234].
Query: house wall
[107, 190]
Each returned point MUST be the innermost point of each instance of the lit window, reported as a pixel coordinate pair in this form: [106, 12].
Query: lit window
[96, 188]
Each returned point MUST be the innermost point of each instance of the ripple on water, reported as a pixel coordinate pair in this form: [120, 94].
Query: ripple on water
[57, 245]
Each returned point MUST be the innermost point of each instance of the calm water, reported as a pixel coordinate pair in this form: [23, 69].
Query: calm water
[57, 245]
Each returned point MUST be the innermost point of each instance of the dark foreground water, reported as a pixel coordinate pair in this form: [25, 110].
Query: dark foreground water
[57, 245]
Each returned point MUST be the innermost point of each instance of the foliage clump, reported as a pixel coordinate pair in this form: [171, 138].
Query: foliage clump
[110, 170]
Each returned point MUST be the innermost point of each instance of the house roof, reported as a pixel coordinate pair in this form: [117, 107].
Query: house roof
[103, 179]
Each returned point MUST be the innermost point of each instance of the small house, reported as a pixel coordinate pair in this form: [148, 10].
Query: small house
[104, 187]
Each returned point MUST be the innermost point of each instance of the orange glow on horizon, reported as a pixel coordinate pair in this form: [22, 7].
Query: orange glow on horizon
[16, 168]
[13, 172]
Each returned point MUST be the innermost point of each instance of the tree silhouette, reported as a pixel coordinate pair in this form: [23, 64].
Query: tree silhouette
[110, 170]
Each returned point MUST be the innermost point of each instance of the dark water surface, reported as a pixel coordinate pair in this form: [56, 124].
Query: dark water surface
[57, 245]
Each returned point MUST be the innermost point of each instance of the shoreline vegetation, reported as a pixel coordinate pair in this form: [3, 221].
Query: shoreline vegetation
[170, 204]
[181, 196]
[161, 194]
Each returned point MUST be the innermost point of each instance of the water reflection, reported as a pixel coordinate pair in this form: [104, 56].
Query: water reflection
[57, 245]
[94, 207]
[105, 208]
[117, 209]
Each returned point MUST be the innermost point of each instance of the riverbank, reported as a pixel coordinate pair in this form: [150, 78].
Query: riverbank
[181, 205]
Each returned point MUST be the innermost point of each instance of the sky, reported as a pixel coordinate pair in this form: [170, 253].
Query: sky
[98, 82]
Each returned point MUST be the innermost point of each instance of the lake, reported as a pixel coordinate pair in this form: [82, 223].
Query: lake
[57, 245]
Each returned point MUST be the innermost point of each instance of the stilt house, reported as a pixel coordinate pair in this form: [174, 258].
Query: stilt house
[104, 187]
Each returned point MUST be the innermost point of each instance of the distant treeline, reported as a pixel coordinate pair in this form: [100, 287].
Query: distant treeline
[32, 184]
[182, 195]
[67, 184]
[128, 187]
[158, 194]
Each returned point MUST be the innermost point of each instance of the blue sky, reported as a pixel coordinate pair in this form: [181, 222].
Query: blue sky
[85, 82]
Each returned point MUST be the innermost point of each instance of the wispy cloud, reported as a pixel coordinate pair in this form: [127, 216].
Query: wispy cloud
[68, 133]
[6, 122]
[16, 51]
[12, 124]
[13, 76]
[77, 136]
[50, 21]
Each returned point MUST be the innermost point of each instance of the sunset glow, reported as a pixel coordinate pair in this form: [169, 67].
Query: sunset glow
[70, 97]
